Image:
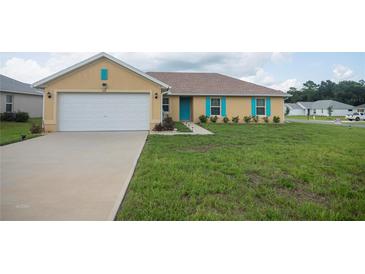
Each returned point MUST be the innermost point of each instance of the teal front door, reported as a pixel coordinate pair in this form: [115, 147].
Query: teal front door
[185, 108]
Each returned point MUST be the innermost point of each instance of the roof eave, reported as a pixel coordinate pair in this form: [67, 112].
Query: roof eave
[229, 94]
[42, 83]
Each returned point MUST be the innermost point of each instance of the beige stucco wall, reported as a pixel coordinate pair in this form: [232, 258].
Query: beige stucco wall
[87, 79]
[235, 106]
[174, 107]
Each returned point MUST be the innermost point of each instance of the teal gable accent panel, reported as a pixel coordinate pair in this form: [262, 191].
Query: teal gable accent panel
[253, 106]
[224, 108]
[207, 106]
[104, 74]
[268, 106]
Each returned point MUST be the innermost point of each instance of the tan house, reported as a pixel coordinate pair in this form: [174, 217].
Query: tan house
[103, 93]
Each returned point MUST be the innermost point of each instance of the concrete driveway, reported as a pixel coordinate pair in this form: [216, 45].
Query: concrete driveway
[68, 176]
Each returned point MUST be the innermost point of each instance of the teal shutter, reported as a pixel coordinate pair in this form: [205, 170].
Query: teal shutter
[104, 74]
[268, 106]
[224, 110]
[207, 106]
[253, 106]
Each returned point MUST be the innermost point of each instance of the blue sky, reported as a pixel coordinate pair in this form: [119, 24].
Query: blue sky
[276, 70]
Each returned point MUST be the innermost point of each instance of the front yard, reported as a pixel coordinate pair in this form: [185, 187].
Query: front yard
[10, 132]
[251, 172]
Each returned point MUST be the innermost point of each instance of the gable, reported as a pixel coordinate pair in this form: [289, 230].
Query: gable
[88, 77]
[45, 82]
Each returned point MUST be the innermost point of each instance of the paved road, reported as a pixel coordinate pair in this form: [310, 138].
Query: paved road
[323, 122]
[68, 176]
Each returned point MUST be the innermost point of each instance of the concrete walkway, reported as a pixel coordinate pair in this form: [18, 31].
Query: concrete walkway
[68, 176]
[195, 130]
[323, 122]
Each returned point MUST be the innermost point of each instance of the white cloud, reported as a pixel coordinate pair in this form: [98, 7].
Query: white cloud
[246, 65]
[25, 70]
[29, 70]
[261, 77]
[286, 85]
[341, 73]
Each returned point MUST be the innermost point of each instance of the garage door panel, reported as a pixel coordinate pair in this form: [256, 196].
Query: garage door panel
[103, 112]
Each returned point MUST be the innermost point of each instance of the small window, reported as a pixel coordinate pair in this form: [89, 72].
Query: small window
[260, 106]
[215, 106]
[104, 74]
[9, 103]
[165, 104]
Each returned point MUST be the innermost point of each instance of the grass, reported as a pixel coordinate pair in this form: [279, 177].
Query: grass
[10, 132]
[251, 172]
[181, 127]
[326, 118]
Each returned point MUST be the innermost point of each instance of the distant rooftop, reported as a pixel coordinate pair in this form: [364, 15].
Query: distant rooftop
[306, 104]
[293, 106]
[326, 103]
[8, 84]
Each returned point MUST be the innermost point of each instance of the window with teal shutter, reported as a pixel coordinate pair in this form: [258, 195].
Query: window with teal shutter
[268, 106]
[207, 106]
[104, 74]
[224, 108]
[253, 106]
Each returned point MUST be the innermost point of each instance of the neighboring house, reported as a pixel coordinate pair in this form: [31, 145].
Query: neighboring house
[295, 109]
[18, 96]
[103, 93]
[360, 108]
[320, 108]
[306, 106]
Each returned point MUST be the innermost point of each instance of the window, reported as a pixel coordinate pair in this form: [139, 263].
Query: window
[260, 106]
[104, 74]
[215, 106]
[9, 103]
[165, 104]
[322, 110]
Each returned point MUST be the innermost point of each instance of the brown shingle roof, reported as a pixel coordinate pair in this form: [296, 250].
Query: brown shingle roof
[211, 84]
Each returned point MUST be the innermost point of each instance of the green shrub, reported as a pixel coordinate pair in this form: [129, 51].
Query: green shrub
[247, 119]
[158, 127]
[235, 119]
[213, 119]
[266, 119]
[35, 129]
[168, 123]
[8, 116]
[21, 117]
[203, 119]
[225, 120]
[276, 119]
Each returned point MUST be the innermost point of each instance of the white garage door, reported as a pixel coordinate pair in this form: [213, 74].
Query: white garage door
[103, 112]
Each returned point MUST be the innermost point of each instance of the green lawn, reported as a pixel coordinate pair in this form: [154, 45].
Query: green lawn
[251, 172]
[10, 132]
[181, 127]
[326, 118]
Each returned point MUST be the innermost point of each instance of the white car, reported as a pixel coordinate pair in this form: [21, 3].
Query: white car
[357, 116]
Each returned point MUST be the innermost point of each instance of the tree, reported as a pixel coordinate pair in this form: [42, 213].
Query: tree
[348, 92]
[287, 111]
[330, 110]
